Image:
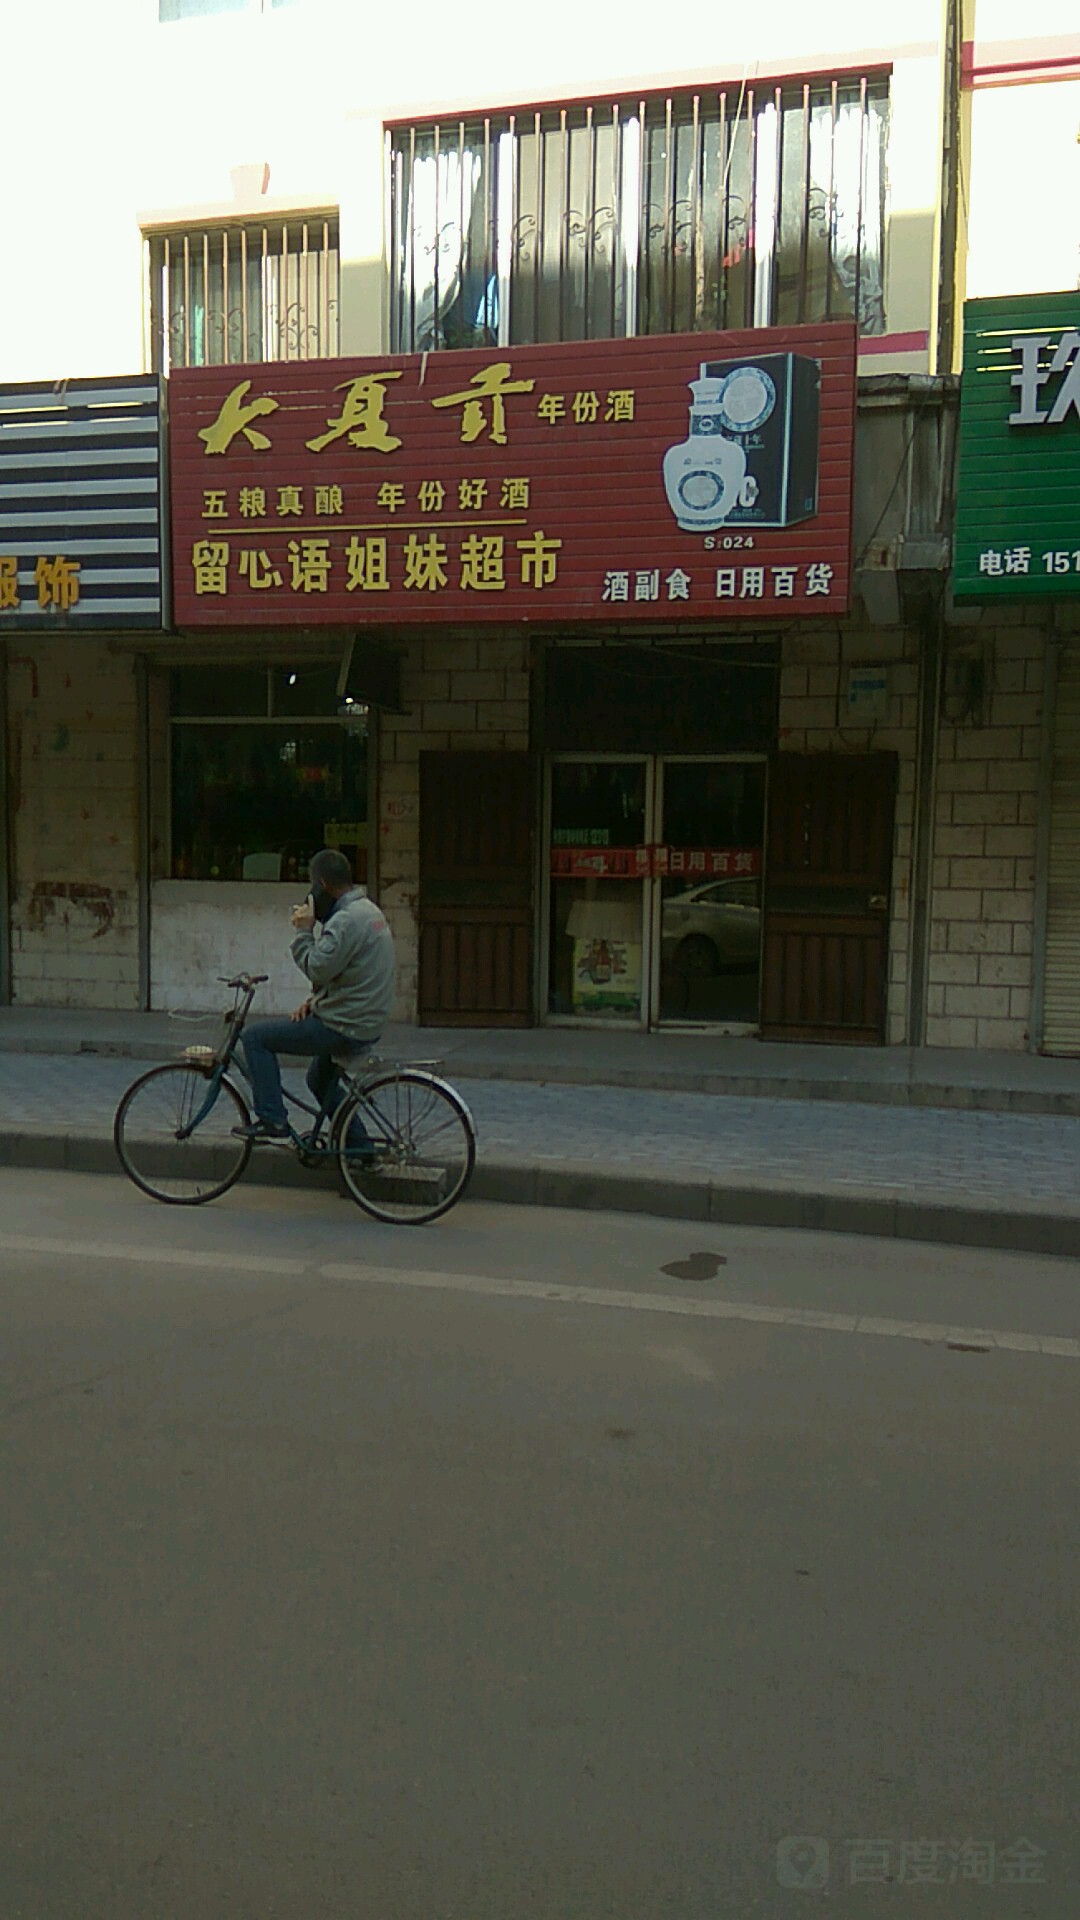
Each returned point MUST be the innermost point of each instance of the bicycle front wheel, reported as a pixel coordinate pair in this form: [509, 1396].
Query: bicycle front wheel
[421, 1151]
[155, 1147]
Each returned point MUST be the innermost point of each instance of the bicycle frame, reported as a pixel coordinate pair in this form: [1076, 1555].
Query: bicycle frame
[245, 987]
[235, 1016]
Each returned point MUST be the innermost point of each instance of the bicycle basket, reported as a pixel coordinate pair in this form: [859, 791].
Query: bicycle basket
[199, 1056]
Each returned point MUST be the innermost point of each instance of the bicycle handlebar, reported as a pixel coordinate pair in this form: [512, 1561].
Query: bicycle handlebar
[244, 980]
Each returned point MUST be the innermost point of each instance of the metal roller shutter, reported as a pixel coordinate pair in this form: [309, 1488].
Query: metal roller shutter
[1061, 1020]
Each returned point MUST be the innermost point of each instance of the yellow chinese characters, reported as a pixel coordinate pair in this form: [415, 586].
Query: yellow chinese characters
[587, 407]
[309, 564]
[365, 561]
[361, 416]
[539, 560]
[490, 384]
[57, 582]
[235, 417]
[362, 560]
[425, 563]
[256, 568]
[472, 495]
[482, 563]
[210, 563]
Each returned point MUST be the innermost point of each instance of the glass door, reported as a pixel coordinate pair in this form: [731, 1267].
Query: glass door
[708, 867]
[599, 866]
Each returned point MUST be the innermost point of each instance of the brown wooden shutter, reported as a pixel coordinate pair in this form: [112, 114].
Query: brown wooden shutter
[476, 877]
[828, 874]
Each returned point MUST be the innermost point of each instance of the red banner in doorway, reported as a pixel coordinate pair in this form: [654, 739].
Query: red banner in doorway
[654, 862]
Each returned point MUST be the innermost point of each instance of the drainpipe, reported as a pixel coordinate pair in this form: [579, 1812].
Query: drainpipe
[950, 191]
[6, 831]
[142, 824]
[1051, 658]
[932, 652]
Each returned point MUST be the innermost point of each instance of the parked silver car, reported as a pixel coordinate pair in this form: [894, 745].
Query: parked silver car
[714, 927]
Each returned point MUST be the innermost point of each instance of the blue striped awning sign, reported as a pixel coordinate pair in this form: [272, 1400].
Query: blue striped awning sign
[80, 504]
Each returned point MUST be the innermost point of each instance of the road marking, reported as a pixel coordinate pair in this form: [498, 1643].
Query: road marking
[156, 1256]
[929, 1332]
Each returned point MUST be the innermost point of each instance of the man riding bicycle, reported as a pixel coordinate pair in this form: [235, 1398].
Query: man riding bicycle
[344, 946]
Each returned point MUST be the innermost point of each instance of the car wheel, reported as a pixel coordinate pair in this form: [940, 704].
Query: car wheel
[697, 956]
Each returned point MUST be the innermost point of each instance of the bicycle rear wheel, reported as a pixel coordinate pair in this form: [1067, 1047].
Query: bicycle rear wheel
[154, 1149]
[424, 1148]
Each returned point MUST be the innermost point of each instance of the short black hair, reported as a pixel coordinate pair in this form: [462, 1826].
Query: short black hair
[332, 868]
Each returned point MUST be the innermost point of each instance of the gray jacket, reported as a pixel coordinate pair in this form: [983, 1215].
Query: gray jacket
[350, 963]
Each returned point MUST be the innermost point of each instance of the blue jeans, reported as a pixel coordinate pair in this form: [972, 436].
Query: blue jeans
[265, 1039]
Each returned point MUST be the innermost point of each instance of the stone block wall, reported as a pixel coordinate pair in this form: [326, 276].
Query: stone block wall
[985, 827]
[73, 800]
[464, 692]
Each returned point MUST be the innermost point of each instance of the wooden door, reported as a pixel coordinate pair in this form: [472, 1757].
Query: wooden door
[828, 873]
[476, 872]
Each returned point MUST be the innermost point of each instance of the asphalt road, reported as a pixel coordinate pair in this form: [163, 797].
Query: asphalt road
[498, 1572]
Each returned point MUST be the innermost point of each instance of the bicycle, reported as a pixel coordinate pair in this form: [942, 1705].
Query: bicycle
[408, 1163]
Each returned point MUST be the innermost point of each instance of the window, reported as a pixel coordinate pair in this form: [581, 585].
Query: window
[758, 207]
[261, 776]
[190, 9]
[256, 291]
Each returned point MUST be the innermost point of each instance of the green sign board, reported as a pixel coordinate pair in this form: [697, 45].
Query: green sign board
[1018, 478]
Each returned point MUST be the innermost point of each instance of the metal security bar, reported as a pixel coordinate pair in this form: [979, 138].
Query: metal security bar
[748, 207]
[245, 292]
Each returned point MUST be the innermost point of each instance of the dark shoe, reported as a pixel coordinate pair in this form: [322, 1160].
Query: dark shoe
[262, 1132]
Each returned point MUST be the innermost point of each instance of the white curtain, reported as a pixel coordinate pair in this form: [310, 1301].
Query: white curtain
[439, 214]
[851, 163]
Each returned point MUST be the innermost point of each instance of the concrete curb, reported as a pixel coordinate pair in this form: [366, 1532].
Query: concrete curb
[880, 1213]
[734, 1086]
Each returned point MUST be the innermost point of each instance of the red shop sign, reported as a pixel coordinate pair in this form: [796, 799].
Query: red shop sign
[679, 477]
[708, 863]
[654, 862]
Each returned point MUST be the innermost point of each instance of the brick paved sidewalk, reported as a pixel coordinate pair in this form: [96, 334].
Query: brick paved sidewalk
[697, 1154]
[704, 1063]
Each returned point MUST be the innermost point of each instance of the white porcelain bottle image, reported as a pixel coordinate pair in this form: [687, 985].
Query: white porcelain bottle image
[704, 473]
